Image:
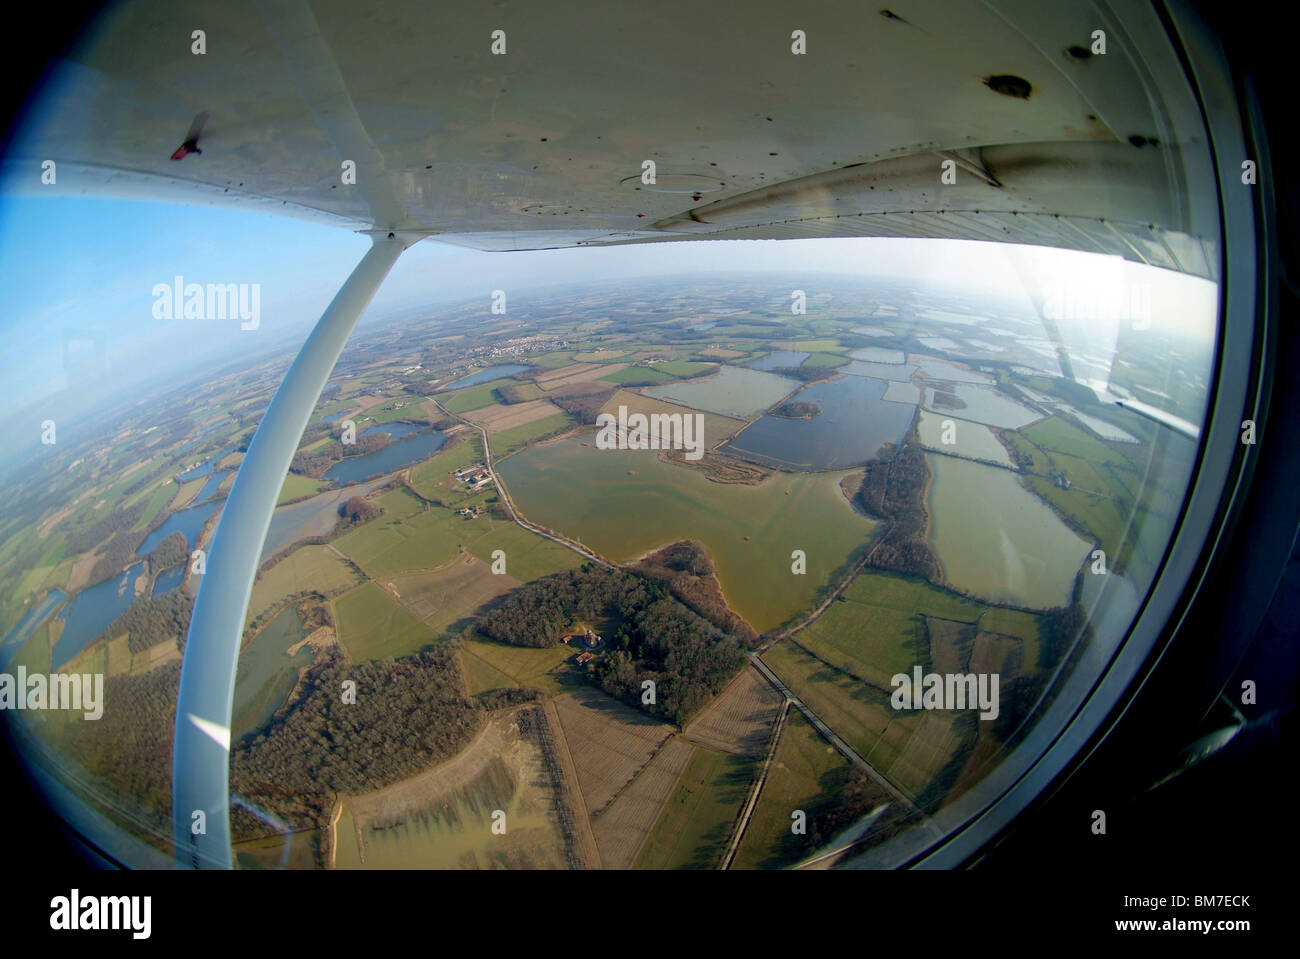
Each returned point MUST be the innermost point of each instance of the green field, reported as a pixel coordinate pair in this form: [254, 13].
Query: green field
[307, 567]
[825, 360]
[804, 772]
[637, 374]
[683, 367]
[373, 625]
[817, 346]
[525, 666]
[297, 487]
[861, 715]
[1058, 435]
[631, 502]
[434, 477]
[507, 441]
[473, 397]
[696, 822]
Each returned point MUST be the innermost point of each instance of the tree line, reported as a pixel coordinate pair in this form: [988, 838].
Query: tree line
[687, 658]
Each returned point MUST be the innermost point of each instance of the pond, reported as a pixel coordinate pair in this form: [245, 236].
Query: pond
[395, 430]
[854, 423]
[187, 521]
[266, 673]
[168, 579]
[91, 612]
[491, 373]
[394, 456]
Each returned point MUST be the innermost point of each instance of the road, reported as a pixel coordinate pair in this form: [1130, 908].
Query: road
[510, 504]
[844, 748]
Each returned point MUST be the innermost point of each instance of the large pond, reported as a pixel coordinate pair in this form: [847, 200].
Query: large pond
[394, 456]
[395, 430]
[267, 673]
[91, 612]
[491, 373]
[188, 521]
[632, 502]
[205, 468]
[998, 541]
[168, 579]
[732, 391]
[854, 423]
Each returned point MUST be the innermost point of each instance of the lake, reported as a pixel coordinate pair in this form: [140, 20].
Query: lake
[209, 489]
[395, 430]
[169, 579]
[91, 612]
[732, 391]
[855, 422]
[266, 674]
[205, 468]
[780, 360]
[188, 521]
[629, 502]
[394, 456]
[491, 373]
[996, 540]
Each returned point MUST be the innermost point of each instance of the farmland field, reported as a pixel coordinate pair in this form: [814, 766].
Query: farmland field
[623, 826]
[373, 625]
[610, 742]
[698, 818]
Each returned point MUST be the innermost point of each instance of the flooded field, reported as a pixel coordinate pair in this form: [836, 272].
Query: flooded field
[983, 405]
[973, 440]
[266, 673]
[998, 541]
[780, 360]
[855, 422]
[311, 517]
[168, 580]
[874, 354]
[732, 391]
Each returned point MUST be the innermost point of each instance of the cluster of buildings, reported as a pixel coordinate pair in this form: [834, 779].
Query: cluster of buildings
[470, 512]
[586, 638]
[475, 476]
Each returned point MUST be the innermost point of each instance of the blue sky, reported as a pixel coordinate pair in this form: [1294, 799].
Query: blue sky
[78, 265]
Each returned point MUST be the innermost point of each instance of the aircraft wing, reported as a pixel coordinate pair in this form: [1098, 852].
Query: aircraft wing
[545, 145]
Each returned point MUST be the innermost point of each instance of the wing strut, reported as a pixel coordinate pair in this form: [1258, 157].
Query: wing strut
[201, 747]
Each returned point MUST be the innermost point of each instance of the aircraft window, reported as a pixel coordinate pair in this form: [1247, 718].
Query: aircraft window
[787, 549]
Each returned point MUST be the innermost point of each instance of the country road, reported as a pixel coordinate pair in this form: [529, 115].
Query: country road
[510, 504]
